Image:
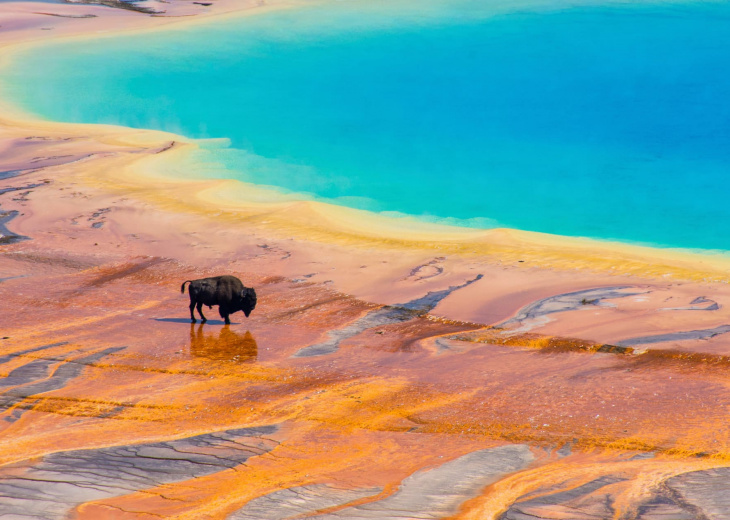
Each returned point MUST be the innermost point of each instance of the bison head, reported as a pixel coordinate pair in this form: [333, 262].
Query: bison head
[248, 300]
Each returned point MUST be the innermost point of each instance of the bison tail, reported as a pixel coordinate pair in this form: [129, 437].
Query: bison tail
[182, 287]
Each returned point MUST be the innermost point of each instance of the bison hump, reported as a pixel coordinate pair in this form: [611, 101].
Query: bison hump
[229, 289]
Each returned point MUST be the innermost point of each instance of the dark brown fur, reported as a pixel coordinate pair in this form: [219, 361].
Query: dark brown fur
[227, 292]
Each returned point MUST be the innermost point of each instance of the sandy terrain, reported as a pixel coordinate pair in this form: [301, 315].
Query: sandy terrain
[390, 367]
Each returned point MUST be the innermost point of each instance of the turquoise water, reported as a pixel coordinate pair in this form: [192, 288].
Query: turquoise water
[606, 122]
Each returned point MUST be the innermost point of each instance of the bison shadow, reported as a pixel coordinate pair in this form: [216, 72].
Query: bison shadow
[187, 320]
[227, 345]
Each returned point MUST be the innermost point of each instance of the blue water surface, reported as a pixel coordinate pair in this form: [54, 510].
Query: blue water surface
[610, 122]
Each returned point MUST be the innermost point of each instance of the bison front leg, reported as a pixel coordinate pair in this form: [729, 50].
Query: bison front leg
[200, 311]
[224, 312]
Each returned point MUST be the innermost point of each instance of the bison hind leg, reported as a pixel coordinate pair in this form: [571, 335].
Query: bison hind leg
[200, 311]
[192, 309]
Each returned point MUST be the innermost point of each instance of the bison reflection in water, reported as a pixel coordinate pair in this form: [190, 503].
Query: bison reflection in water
[227, 345]
[227, 292]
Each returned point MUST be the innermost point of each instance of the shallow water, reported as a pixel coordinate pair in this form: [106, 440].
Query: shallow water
[607, 122]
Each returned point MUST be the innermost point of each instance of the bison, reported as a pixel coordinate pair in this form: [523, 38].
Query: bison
[227, 292]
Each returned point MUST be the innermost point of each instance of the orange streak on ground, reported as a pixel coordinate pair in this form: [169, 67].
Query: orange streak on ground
[311, 455]
[642, 477]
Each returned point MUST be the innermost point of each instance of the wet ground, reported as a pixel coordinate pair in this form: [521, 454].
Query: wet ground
[553, 402]
[323, 406]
